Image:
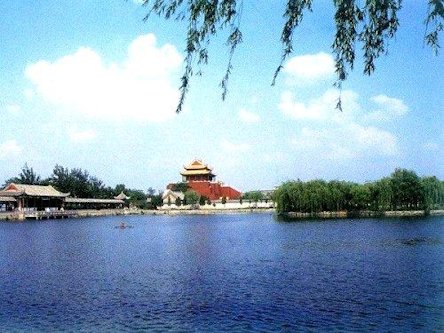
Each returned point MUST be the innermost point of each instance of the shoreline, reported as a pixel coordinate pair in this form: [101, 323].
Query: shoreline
[18, 217]
[362, 214]
[14, 216]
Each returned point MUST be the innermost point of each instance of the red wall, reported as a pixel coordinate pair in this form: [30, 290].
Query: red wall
[214, 191]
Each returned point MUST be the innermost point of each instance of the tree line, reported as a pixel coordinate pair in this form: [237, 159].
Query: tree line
[402, 190]
[81, 184]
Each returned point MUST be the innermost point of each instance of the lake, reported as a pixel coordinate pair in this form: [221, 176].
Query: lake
[222, 273]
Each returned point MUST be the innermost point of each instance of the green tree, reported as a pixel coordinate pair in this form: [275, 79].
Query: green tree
[382, 195]
[79, 183]
[156, 200]
[406, 189]
[191, 197]
[360, 196]
[368, 24]
[150, 192]
[137, 198]
[254, 196]
[179, 187]
[119, 189]
[26, 176]
[178, 202]
[433, 191]
[202, 200]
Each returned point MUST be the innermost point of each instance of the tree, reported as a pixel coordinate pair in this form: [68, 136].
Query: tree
[406, 189]
[191, 197]
[150, 192]
[81, 184]
[360, 196]
[179, 187]
[382, 195]
[402, 190]
[254, 196]
[433, 191]
[370, 23]
[26, 176]
[202, 200]
[156, 200]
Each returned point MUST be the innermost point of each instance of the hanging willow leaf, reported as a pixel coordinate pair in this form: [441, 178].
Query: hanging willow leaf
[371, 23]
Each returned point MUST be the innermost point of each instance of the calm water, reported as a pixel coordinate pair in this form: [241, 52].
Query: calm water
[222, 273]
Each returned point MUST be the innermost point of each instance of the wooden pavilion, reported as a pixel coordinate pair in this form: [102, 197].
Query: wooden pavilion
[33, 197]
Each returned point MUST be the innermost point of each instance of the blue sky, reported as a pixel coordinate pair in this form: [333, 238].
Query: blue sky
[88, 84]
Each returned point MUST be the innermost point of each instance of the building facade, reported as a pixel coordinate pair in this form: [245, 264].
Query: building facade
[200, 178]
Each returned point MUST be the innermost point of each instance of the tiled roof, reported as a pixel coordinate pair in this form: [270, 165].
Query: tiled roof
[197, 165]
[174, 194]
[33, 190]
[195, 172]
[122, 196]
[7, 199]
[213, 190]
[92, 200]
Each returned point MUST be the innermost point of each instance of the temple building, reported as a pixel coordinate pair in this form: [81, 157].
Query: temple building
[197, 171]
[200, 178]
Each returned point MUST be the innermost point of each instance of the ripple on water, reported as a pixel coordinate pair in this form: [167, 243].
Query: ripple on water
[222, 274]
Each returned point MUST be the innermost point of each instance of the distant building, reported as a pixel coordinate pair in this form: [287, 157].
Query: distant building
[122, 196]
[200, 178]
[169, 197]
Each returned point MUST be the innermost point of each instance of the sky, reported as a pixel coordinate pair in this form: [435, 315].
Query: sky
[88, 84]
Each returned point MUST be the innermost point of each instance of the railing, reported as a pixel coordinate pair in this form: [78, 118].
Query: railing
[38, 215]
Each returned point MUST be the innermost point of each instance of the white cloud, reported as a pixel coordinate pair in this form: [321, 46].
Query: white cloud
[9, 149]
[143, 87]
[310, 68]
[231, 147]
[320, 108]
[248, 116]
[431, 146]
[13, 109]
[77, 136]
[346, 142]
[29, 94]
[388, 108]
[334, 134]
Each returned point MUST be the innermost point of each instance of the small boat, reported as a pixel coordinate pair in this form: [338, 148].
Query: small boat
[123, 225]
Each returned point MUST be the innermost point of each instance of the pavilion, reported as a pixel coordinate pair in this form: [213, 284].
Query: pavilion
[33, 197]
[36, 198]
